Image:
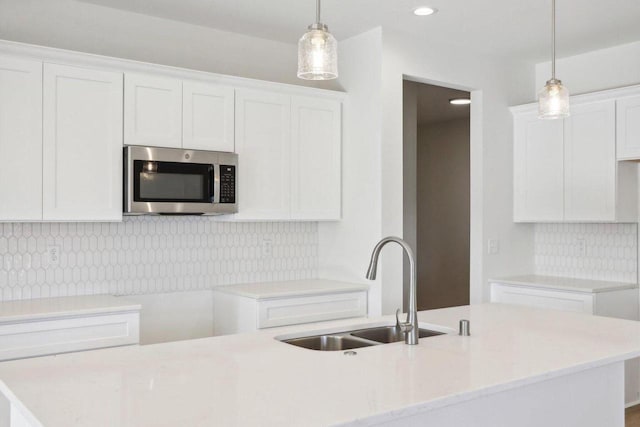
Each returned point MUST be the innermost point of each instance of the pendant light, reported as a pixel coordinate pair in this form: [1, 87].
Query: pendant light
[317, 52]
[553, 99]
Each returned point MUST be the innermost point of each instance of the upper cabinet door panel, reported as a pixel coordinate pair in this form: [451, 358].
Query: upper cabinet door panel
[538, 168]
[82, 144]
[153, 111]
[315, 158]
[590, 162]
[20, 139]
[208, 116]
[628, 126]
[263, 145]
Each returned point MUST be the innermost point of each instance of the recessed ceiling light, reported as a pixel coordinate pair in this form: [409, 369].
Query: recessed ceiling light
[460, 101]
[424, 11]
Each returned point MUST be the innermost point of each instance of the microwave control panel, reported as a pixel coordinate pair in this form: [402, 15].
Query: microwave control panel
[227, 184]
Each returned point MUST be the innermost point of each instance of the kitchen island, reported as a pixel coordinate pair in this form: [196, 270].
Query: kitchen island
[520, 366]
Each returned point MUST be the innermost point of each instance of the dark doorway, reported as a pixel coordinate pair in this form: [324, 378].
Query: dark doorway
[437, 192]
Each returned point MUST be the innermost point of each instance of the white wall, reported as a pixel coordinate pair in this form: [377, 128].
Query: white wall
[592, 71]
[345, 246]
[495, 85]
[373, 159]
[68, 24]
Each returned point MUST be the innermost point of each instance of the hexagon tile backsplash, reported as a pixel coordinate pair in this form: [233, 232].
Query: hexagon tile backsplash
[587, 251]
[150, 254]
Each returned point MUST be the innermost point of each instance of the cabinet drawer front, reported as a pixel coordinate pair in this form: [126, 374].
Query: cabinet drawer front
[290, 311]
[40, 338]
[556, 300]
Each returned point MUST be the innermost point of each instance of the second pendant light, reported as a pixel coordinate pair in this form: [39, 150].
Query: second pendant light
[553, 99]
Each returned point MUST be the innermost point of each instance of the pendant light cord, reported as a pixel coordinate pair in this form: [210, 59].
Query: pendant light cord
[318, 11]
[553, 39]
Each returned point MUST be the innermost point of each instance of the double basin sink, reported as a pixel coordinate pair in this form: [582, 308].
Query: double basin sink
[358, 338]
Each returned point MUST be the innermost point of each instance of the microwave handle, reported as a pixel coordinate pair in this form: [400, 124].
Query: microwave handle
[216, 183]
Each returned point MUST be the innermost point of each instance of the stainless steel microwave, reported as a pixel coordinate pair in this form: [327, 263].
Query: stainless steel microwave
[169, 181]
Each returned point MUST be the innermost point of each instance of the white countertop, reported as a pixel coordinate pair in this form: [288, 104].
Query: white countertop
[565, 283]
[32, 309]
[252, 379]
[290, 288]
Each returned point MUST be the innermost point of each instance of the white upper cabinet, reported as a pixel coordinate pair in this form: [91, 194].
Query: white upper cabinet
[152, 111]
[263, 139]
[628, 127]
[315, 158]
[208, 116]
[590, 162]
[64, 121]
[82, 144]
[538, 168]
[20, 139]
[566, 170]
[289, 156]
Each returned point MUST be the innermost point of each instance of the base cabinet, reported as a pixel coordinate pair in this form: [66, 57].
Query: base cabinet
[236, 313]
[622, 304]
[54, 336]
[46, 326]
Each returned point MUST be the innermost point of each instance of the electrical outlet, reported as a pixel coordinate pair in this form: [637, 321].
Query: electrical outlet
[493, 246]
[267, 248]
[53, 255]
[582, 246]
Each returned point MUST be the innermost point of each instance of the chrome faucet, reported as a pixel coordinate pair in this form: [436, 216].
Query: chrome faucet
[410, 327]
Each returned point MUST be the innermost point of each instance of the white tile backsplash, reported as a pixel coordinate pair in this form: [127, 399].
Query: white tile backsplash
[609, 251]
[151, 254]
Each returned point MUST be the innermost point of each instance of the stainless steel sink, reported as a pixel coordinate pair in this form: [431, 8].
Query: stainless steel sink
[330, 342]
[389, 334]
[357, 338]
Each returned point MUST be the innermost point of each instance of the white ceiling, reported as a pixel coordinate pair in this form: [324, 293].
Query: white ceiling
[515, 28]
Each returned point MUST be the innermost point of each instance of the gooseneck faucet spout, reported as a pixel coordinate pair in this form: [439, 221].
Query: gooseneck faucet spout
[410, 327]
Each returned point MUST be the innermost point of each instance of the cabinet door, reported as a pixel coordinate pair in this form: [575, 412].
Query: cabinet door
[542, 298]
[208, 112]
[82, 144]
[20, 140]
[590, 162]
[538, 168]
[263, 145]
[628, 126]
[315, 158]
[153, 111]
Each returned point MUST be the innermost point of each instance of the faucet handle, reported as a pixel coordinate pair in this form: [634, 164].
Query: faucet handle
[402, 326]
[406, 327]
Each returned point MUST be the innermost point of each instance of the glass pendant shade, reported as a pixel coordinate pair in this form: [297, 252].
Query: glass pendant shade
[553, 101]
[318, 54]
